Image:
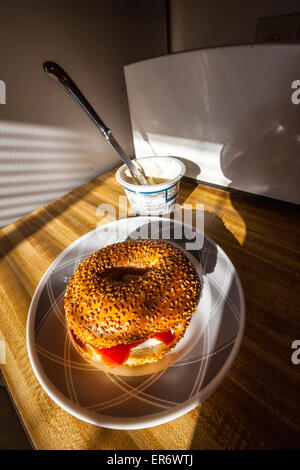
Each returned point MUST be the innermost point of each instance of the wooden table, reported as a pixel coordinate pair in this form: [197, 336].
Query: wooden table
[258, 403]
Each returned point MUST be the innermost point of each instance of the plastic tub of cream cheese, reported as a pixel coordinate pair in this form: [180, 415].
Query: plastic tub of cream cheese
[160, 196]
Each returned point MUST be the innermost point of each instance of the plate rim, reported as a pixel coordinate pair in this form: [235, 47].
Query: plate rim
[123, 423]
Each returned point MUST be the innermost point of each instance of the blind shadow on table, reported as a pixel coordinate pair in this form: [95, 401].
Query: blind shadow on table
[257, 404]
[24, 228]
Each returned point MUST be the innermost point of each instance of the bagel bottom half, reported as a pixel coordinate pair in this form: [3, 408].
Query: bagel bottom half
[139, 353]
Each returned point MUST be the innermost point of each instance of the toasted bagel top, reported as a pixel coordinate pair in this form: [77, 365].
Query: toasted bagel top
[129, 290]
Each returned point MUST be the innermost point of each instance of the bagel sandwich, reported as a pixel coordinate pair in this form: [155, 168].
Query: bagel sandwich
[131, 302]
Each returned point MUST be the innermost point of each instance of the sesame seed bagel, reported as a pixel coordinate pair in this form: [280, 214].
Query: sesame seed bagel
[127, 292]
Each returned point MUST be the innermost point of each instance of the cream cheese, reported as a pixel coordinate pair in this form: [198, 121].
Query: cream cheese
[157, 169]
[149, 343]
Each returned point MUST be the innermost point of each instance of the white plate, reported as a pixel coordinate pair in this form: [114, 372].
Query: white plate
[133, 398]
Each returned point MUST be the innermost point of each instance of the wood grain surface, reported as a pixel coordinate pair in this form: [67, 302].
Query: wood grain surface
[256, 406]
